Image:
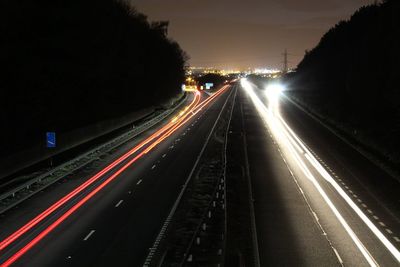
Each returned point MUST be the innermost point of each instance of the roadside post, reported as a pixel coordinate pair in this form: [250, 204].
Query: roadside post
[51, 143]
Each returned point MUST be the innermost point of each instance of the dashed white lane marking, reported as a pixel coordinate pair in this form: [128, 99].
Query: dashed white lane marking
[338, 256]
[315, 216]
[164, 155]
[138, 183]
[119, 203]
[171, 147]
[89, 235]
[397, 239]
[153, 167]
[161, 234]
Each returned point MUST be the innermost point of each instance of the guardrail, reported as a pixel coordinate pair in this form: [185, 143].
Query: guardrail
[17, 195]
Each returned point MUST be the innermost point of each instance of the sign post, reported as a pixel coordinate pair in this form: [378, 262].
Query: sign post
[51, 143]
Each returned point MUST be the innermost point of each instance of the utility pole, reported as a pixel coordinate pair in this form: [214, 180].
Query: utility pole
[285, 62]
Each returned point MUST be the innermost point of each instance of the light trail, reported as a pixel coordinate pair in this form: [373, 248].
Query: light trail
[183, 121]
[281, 130]
[175, 124]
[10, 239]
[310, 157]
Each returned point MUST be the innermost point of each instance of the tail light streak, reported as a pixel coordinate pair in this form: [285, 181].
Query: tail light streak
[193, 112]
[161, 134]
[83, 186]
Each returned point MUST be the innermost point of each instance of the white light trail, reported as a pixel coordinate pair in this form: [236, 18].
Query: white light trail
[281, 129]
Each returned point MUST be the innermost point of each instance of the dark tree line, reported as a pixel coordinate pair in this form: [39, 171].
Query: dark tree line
[67, 64]
[353, 74]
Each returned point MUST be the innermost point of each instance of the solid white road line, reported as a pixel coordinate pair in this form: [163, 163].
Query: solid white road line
[265, 113]
[161, 234]
[338, 256]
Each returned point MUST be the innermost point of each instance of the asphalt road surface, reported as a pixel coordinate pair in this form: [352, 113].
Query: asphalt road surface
[118, 224]
[317, 200]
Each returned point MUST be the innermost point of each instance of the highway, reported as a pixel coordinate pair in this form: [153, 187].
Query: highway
[111, 213]
[317, 201]
[314, 199]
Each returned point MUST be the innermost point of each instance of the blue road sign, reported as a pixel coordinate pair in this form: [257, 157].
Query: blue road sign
[209, 85]
[50, 139]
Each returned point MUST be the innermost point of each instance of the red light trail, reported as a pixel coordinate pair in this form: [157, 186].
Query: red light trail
[165, 131]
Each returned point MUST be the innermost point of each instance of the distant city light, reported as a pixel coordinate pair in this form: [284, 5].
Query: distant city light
[211, 70]
[266, 71]
[199, 71]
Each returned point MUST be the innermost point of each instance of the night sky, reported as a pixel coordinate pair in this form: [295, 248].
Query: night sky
[247, 33]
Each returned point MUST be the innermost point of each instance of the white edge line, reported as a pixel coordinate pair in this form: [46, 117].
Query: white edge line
[154, 248]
